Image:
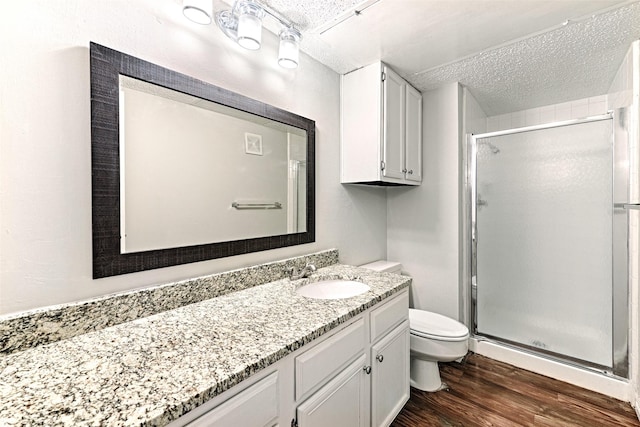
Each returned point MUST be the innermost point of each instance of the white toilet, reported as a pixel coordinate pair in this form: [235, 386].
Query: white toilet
[433, 338]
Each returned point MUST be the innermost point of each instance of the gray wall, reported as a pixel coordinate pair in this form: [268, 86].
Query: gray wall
[423, 223]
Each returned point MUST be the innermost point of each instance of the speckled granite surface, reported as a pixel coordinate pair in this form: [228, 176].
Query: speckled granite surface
[151, 370]
[29, 329]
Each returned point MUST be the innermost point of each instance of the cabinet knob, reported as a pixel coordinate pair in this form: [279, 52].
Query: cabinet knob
[404, 171]
[379, 358]
[410, 171]
[367, 369]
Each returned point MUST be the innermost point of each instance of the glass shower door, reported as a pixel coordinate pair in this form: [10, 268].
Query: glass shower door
[543, 239]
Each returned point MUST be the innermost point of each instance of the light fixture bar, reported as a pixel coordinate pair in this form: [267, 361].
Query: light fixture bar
[350, 13]
[277, 16]
[243, 24]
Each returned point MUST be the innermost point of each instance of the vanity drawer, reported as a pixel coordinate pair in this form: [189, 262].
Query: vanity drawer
[321, 363]
[255, 406]
[389, 315]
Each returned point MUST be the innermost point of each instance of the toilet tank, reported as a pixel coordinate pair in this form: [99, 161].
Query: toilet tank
[384, 266]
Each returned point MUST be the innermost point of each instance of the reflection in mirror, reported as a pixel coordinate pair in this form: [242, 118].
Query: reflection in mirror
[185, 171]
[195, 172]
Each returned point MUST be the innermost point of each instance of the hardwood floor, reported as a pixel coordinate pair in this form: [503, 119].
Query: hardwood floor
[484, 392]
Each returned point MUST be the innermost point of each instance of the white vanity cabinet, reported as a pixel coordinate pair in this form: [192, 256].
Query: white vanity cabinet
[374, 386]
[357, 375]
[381, 128]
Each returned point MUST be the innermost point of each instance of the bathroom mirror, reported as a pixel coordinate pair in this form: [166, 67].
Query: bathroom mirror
[185, 171]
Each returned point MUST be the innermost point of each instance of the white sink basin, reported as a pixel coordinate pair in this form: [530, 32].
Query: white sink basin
[333, 289]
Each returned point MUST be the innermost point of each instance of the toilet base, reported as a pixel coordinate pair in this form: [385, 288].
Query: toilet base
[425, 375]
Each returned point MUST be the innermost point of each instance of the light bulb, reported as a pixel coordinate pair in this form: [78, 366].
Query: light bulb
[198, 11]
[288, 54]
[250, 25]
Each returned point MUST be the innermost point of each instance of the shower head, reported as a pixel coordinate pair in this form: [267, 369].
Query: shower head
[493, 148]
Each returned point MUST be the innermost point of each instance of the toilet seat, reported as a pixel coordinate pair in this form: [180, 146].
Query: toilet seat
[436, 326]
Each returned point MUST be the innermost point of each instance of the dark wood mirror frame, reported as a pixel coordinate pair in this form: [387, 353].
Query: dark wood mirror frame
[106, 67]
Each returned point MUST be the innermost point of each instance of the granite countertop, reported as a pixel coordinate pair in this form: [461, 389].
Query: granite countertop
[152, 370]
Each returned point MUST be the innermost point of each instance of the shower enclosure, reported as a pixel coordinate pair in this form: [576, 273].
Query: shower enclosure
[548, 236]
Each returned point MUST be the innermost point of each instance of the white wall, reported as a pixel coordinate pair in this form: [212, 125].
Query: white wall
[475, 120]
[45, 165]
[422, 222]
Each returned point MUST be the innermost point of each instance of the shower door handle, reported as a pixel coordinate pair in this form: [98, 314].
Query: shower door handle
[627, 206]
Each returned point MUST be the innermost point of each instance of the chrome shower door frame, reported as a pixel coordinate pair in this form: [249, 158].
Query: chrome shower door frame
[620, 252]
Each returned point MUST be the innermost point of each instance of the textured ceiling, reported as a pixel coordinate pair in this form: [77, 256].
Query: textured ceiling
[311, 14]
[511, 54]
[572, 62]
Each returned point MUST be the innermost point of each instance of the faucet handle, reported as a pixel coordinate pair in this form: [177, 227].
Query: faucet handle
[302, 272]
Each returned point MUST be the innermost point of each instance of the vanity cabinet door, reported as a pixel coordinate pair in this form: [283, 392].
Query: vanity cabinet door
[343, 402]
[390, 375]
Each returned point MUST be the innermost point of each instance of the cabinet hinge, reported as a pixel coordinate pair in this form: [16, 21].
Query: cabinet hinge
[384, 76]
[382, 165]
[294, 422]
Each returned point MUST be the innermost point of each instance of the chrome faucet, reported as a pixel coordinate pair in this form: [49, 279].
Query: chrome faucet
[303, 272]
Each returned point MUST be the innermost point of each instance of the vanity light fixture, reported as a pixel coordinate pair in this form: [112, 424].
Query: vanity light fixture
[243, 24]
[250, 25]
[198, 11]
[288, 53]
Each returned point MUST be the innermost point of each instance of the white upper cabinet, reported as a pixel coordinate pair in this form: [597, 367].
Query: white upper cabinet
[381, 135]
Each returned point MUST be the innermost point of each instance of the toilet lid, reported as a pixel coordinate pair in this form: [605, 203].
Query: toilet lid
[427, 323]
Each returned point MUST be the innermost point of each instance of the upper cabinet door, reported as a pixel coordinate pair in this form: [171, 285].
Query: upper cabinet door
[413, 136]
[394, 122]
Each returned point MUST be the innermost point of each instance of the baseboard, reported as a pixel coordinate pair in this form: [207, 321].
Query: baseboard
[614, 387]
[637, 407]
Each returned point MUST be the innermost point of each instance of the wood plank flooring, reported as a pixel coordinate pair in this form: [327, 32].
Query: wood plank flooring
[485, 392]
